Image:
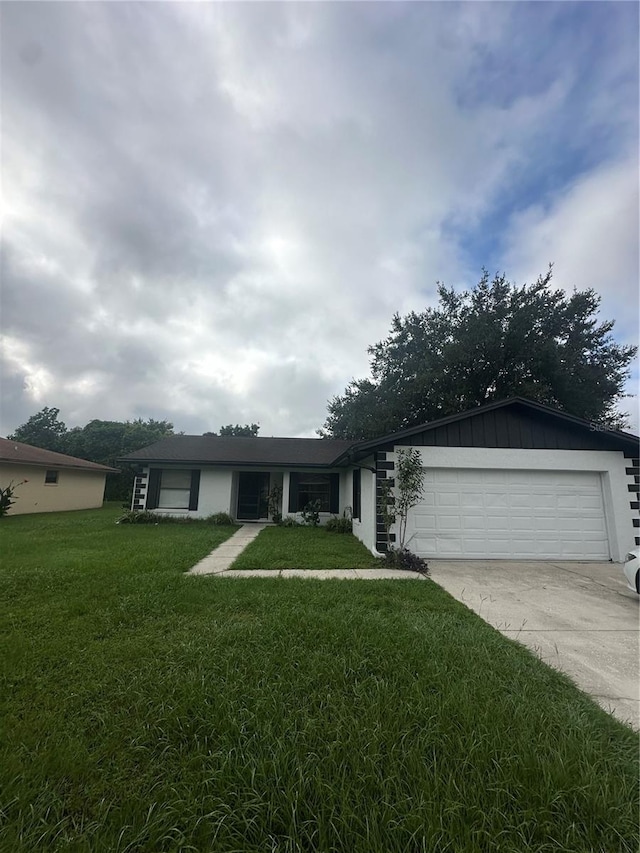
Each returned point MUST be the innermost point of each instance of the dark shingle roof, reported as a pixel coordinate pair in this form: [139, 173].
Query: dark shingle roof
[237, 450]
[26, 454]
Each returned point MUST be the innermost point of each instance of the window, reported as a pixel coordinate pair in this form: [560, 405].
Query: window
[175, 490]
[306, 488]
[357, 494]
[51, 478]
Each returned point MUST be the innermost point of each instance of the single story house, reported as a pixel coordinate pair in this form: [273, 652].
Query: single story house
[511, 480]
[50, 482]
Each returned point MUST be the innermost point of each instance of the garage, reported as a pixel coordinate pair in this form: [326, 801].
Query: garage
[516, 514]
[510, 480]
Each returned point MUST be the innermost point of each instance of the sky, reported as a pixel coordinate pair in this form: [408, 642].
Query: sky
[210, 210]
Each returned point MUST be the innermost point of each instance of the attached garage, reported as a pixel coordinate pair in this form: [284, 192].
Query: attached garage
[521, 514]
[511, 480]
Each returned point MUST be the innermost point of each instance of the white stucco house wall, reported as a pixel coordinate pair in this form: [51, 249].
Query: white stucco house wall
[48, 481]
[510, 480]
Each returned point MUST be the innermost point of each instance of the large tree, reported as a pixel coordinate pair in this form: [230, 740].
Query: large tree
[246, 431]
[488, 343]
[42, 430]
[105, 441]
[98, 441]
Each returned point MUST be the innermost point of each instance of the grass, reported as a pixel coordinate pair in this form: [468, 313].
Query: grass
[142, 710]
[304, 548]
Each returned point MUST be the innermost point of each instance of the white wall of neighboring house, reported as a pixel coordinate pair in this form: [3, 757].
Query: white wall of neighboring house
[75, 489]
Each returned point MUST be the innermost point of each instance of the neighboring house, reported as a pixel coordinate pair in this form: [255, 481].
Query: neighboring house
[510, 480]
[49, 482]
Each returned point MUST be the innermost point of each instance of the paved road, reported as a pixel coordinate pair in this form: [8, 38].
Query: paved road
[578, 617]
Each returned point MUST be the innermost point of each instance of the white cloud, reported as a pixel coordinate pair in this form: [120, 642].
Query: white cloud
[590, 232]
[214, 208]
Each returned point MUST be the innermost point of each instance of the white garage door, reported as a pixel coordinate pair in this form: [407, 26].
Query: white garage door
[538, 515]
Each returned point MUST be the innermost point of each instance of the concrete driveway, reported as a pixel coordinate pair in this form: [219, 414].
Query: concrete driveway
[578, 617]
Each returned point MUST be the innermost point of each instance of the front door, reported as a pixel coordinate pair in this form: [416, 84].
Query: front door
[253, 492]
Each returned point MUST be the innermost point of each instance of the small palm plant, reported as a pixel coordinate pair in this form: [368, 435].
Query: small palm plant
[7, 498]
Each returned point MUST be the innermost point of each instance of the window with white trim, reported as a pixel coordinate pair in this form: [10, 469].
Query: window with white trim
[175, 489]
[307, 488]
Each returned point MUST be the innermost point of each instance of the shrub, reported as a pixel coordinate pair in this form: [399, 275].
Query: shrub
[274, 502]
[311, 513]
[6, 496]
[396, 558]
[339, 525]
[144, 516]
[222, 518]
[136, 516]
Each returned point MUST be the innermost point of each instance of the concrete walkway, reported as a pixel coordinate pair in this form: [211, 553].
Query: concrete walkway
[222, 557]
[327, 574]
[218, 562]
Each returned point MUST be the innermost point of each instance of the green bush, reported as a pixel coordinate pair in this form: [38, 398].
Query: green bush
[339, 525]
[7, 498]
[144, 516]
[134, 516]
[397, 558]
[222, 518]
[311, 513]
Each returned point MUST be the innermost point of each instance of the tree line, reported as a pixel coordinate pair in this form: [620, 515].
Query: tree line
[104, 442]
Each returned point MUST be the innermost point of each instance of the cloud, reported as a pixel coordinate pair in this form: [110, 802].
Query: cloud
[590, 233]
[212, 209]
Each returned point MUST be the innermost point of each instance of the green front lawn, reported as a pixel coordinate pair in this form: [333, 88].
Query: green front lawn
[145, 711]
[304, 548]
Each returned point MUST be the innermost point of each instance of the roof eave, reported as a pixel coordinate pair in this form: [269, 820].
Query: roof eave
[229, 464]
[106, 469]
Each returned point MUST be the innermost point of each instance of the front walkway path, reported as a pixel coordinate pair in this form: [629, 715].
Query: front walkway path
[326, 574]
[222, 557]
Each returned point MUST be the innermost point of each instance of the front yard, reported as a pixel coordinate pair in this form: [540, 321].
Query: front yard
[305, 548]
[145, 711]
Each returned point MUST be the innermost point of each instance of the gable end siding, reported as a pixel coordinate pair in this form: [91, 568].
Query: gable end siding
[509, 428]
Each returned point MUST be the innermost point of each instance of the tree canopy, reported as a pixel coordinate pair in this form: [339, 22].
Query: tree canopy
[98, 441]
[248, 430]
[42, 430]
[494, 341]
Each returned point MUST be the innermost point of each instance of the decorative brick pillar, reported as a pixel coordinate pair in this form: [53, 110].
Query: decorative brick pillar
[140, 484]
[385, 469]
[633, 485]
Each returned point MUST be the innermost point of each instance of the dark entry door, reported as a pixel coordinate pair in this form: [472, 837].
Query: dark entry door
[253, 491]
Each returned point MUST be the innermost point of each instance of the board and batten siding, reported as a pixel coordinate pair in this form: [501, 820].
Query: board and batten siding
[511, 429]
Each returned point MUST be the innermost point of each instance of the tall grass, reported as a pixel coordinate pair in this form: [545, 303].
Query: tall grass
[142, 710]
